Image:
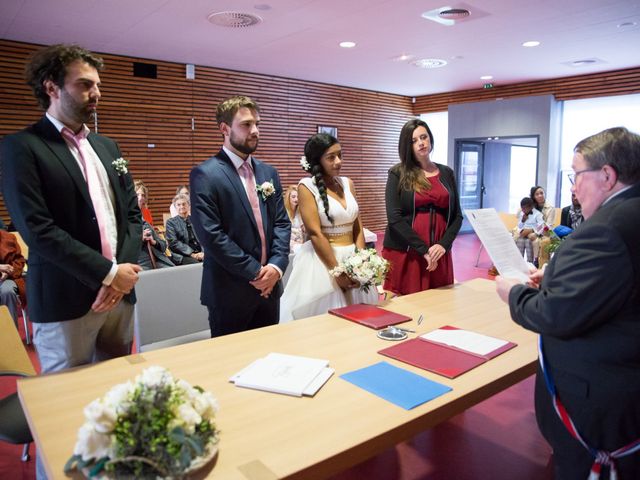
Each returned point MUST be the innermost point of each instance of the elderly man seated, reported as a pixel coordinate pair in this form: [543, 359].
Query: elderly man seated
[11, 282]
[184, 246]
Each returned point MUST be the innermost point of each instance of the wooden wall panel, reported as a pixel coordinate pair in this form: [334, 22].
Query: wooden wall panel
[617, 82]
[139, 112]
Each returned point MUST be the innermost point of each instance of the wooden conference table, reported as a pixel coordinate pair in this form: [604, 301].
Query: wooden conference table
[266, 435]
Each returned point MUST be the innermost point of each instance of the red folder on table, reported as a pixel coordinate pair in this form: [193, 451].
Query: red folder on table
[369, 315]
[443, 359]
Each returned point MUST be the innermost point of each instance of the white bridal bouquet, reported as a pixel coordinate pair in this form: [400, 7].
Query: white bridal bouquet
[364, 266]
[156, 426]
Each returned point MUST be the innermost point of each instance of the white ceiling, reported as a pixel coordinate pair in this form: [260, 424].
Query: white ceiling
[299, 38]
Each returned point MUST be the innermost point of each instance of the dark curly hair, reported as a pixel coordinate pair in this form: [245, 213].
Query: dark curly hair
[50, 63]
[313, 151]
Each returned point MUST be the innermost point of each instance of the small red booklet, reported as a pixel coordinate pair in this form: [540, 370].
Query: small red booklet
[462, 351]
[370, 315]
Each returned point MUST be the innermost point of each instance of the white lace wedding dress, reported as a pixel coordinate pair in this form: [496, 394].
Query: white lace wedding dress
[310, 289]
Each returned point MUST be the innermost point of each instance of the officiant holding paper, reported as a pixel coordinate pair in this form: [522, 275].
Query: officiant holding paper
[586, 308]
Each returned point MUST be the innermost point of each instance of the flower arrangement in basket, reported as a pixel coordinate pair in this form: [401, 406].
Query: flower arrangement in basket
[365, 266]
[154, 427]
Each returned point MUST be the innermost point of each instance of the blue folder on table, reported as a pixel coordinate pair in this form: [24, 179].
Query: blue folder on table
[396, 385]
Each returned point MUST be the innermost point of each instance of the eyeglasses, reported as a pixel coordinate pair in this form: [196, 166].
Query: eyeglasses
[572, 176]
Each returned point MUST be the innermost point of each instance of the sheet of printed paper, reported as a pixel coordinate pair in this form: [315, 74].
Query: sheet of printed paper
[498, 243]
[465, 340]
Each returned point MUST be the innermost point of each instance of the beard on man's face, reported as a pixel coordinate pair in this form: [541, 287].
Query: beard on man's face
[244, 146]
[75, 110]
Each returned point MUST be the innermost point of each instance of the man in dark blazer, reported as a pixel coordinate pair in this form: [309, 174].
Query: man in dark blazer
[185, 247]
[82, 259]
[239, 218]
[586, 307]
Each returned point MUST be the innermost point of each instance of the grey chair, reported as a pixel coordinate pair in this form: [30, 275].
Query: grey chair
[168, 310]
[14, 361]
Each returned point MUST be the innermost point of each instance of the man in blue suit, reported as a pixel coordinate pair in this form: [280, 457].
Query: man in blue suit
[239, 218]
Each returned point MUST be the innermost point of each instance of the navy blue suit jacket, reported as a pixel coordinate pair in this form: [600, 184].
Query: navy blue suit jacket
[226, 228]
[49, 203]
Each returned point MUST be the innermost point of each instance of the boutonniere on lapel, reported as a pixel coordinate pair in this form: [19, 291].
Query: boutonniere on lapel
[266, 189]
[120, 165]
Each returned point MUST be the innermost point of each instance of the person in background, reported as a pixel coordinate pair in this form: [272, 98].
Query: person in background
[239, 216]
[530, 226]
[585, 306]
[571, 216]
[297, 227]
[71, 197]
[181, 190]
[423, 215]
[330, 213]
[183, 243]
[540, 203]
[153, 253]
[12, 286]
[537, 194]
[142, 192]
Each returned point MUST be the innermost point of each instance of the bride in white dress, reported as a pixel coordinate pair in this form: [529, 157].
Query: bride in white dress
[329, 212]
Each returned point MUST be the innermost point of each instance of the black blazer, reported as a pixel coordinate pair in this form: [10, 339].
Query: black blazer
[400, 206]
[225, 226]
[49, 203]
[178, 238]
[162, 261]
[587, 311]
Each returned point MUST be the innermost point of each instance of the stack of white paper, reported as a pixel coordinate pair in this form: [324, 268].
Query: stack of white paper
[288, 374]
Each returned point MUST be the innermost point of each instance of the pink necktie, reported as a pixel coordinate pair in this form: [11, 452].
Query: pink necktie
[250, 179]
[93, 183]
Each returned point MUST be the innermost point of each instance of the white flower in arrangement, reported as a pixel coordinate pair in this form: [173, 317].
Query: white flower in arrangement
[92, 444]
[305, 164]
[120, 165]
[154, 427]
[266, 189]
[364, 266]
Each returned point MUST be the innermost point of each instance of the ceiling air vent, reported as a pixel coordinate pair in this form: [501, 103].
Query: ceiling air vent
[454, 13]
[234, 19]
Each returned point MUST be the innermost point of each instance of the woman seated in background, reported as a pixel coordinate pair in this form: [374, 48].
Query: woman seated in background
[181, 190]
[184, 245]
[423, 215]
[142, 192]
[330, 214]
[541, 255]
[530, 226]
[297, 227]
[540, 203]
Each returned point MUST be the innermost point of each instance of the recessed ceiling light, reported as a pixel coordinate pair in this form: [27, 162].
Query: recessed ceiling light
[457, 57]
[429, 63]
[402, 58]
[486, 77]
[627, 24]
[347, 44]
[262, 6]
[531, 43]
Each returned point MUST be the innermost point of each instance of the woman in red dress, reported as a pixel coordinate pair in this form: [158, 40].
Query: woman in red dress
[423, 215]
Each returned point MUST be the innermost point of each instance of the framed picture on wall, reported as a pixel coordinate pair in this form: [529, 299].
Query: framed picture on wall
[333, 131]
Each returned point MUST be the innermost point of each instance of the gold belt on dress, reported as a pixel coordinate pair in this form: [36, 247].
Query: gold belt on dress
[341, 239]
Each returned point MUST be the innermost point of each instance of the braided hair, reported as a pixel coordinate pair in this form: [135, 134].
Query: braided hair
[315, 147]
